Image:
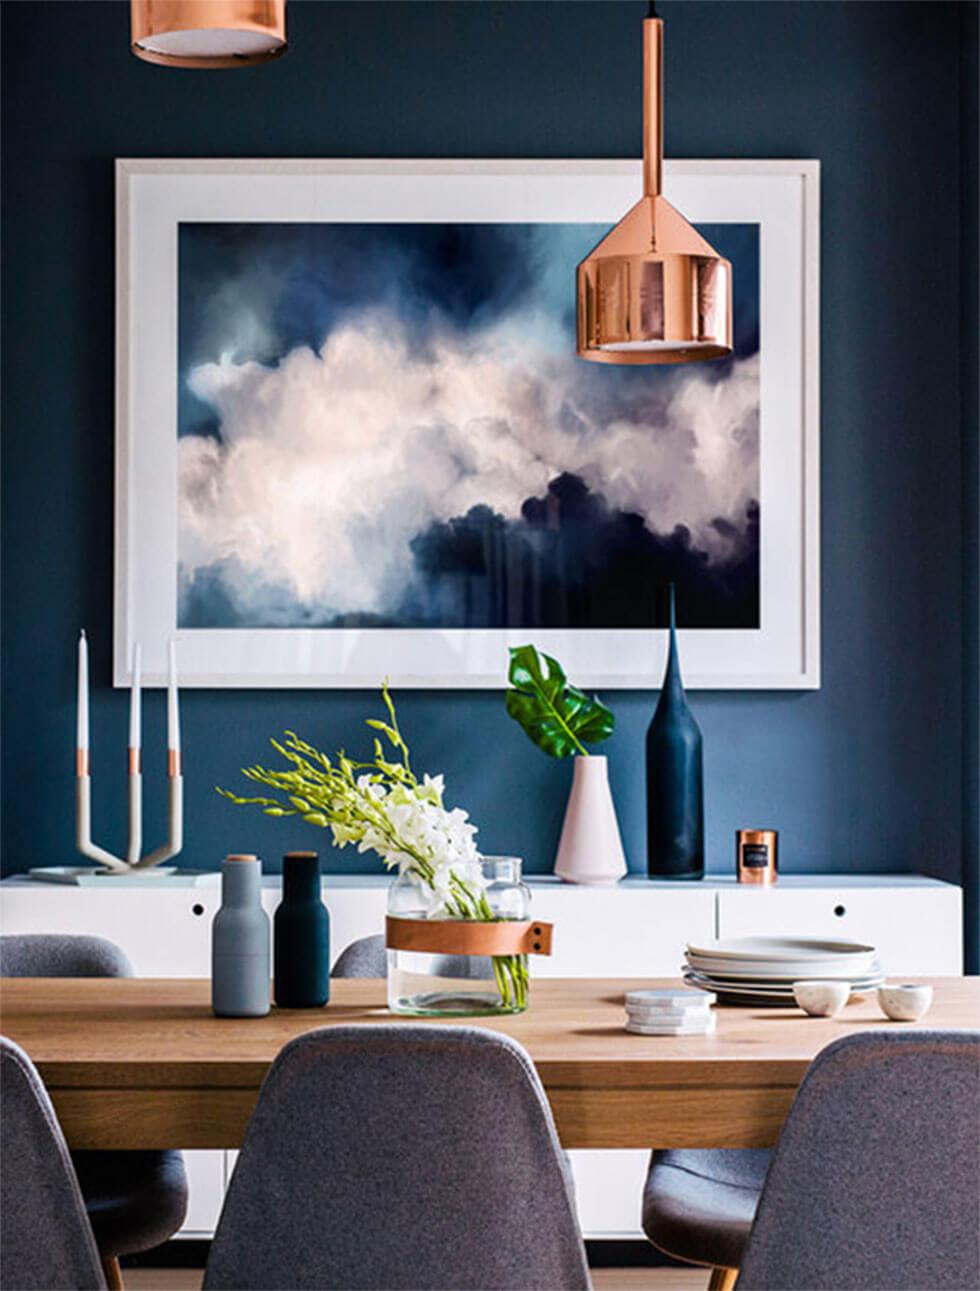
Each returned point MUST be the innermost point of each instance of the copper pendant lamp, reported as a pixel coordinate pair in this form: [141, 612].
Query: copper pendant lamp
[653, 290]
[208, 33]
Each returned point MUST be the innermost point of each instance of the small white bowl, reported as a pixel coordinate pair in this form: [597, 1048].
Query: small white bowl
[905, 1001]
[822, 999]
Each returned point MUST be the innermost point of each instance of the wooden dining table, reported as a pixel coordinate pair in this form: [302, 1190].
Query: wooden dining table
[143, 1063]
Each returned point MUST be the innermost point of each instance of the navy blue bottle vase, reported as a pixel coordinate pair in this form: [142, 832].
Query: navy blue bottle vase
[301, 936]
[675, 778]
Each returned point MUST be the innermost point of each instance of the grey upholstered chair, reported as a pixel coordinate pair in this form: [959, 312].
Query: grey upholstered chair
[399, 1156]
[46, 1240]
[365, 957]
[699, 1203]
[135, 1200]
[45, 954]
[875, 1180]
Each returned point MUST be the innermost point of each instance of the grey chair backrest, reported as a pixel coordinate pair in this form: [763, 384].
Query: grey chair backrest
[876, 1178]
[59, 955]
[46, 1240]
[400, 1155]
[365, 957]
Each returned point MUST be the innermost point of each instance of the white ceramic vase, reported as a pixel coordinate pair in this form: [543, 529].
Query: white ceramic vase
[590, 850]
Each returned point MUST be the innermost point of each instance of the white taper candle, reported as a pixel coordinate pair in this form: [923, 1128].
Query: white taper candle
[81, 737]
[173, 712]
[135, 699]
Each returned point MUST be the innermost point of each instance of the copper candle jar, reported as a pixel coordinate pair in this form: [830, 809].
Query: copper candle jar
[755, 855]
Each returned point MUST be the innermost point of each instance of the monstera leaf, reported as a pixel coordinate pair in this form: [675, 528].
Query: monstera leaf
[558, 717]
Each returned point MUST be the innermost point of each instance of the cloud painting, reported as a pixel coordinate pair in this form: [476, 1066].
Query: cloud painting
[386, 425]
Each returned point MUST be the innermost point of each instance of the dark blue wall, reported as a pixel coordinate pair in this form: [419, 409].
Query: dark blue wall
[865, 774]
[970, 390]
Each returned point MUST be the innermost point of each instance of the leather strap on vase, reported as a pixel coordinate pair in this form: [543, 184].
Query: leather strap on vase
[469, 937]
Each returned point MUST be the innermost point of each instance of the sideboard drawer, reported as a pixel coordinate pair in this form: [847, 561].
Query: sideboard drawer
[916, 928]
[621, 932]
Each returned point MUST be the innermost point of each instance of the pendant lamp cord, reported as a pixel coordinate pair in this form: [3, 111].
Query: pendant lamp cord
[652, 11]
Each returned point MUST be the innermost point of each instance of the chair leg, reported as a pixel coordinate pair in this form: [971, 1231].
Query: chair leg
[722, 1279]
[113, 1273]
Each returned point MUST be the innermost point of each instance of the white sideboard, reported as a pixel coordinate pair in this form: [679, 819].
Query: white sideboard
[636, 929]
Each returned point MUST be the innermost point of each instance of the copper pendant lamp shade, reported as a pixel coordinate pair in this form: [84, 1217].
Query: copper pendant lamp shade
[208, 33]
[653, 290]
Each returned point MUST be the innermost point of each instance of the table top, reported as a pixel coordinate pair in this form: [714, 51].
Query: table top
[143, 1031]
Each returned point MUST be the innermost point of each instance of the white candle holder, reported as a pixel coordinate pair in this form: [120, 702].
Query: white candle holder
[134, 862]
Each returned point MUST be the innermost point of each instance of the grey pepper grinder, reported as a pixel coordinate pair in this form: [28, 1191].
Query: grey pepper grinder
[240, 937]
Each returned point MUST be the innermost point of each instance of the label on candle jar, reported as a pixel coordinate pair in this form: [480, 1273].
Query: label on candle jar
[755, 856]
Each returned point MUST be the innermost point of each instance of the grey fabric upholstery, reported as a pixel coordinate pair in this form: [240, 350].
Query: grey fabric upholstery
[46, 1241]
[399, 1156]
[875, 1180]
[698, 1204]
[366, 957]
[135, 1200]
[58, 955]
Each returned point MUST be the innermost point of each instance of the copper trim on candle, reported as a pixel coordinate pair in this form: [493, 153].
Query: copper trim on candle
[163, 32]
[653, 290]
[82, 762]
[173, 762]
[134, 761]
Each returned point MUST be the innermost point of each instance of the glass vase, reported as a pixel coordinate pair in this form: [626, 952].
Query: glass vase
[426, 983]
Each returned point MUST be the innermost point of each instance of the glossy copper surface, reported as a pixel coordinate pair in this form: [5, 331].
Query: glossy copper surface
[208, 33]
[654, 290]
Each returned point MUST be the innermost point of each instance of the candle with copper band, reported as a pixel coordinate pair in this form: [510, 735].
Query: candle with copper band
[756, 854]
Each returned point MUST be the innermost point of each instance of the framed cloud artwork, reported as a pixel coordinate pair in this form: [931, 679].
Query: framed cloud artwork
[354, 440]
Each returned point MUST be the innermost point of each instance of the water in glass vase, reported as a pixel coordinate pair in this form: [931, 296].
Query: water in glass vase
[447, 983]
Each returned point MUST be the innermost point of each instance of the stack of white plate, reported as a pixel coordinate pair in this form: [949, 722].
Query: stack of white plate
[762, 970]
[666, 1012]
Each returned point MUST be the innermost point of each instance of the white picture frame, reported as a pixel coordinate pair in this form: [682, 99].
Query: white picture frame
[154, 196]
